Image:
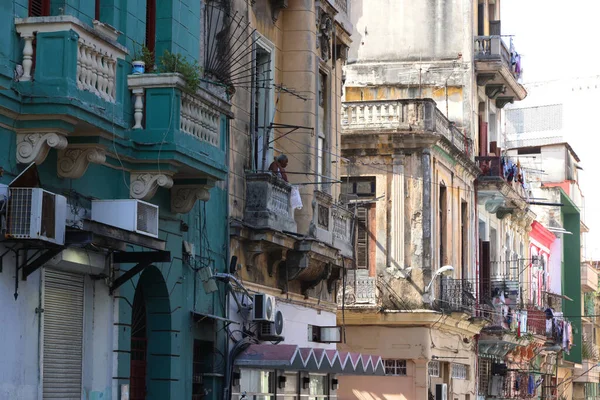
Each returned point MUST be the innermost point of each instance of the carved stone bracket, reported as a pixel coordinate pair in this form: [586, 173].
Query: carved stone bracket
[75, 160]
[184, 197]
[324, 34]
[501, 101]
[482, 79]
[276, 7]
[492, 91]
[145, 184]
[34, 147]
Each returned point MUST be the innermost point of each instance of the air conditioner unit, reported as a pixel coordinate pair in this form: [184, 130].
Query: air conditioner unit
[263, 308]
[36, 214]
[130, 215]
[271, 331]
[324, 334]
[441, 391]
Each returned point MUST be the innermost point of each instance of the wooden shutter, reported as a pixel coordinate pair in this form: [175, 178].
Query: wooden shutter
[97, 10]
[62, 335]
[362, 237]
[39, 8]
[484, 270]
[151, 24]
[483, 138]
[495, 28]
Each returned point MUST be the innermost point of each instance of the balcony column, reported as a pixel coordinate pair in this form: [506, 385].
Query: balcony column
[138, 107]
[27, 57]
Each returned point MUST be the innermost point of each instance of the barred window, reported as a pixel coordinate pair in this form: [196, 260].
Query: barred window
[395, 367]
[434, 369]
[459, 371]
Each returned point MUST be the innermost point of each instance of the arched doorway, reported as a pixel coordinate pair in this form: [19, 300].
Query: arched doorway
[150, 365]
[139, 347]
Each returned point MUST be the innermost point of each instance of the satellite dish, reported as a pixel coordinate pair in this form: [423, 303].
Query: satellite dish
[278, 323]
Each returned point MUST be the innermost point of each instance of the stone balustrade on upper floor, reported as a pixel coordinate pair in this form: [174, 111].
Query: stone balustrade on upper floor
[268, 206]
[411, 116]
[62, 48]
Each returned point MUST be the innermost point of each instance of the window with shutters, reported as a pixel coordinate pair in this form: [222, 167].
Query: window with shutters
[151, 25]
[362, 237]
[39, 8]
[62, 335]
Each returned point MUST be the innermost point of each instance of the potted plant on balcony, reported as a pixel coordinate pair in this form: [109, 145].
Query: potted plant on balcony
[190, 71]
[143, 60]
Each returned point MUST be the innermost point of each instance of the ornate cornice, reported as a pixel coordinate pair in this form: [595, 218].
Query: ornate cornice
[145, 184]
[75, 160]
[34, 147]
[184, 197]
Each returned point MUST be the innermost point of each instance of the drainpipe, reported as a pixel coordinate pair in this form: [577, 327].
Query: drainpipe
[426, 165]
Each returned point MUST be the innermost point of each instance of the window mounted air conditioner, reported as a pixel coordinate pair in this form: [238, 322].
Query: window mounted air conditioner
[130, 215]
[36, 214]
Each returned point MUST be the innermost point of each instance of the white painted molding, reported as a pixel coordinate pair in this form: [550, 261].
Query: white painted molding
[34, 147]
[145, 184]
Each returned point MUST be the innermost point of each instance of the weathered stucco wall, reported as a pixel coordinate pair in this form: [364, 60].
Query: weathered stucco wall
[426, 31]
[416, 345]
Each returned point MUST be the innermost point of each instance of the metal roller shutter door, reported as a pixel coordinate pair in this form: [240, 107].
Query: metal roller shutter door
[63, 335]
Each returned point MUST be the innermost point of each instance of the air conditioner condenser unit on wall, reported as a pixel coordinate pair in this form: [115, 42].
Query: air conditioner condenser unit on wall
[130, 215]
[36, 214]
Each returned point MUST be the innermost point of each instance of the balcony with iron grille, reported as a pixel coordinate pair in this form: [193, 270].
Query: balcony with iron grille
[409, 123]
[498, 69]
[455, 295]
[501, 187]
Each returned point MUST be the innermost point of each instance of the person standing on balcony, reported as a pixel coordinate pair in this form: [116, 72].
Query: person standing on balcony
[278, 166]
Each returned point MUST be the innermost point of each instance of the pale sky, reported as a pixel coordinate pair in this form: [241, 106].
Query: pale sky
[558, 41]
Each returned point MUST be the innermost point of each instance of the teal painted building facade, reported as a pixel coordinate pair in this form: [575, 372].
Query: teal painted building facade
[69, 105]
[571, 273]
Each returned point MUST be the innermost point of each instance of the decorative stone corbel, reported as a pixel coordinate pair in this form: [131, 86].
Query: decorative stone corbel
[34, 147]
[75, 160]
[145, 184]
[183, 197]
[276, 6]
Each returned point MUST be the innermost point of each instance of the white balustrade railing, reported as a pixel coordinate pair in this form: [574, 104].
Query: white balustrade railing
[200, 120]
[198, 116]
[412, 115]
[342, 5]
[97, 53]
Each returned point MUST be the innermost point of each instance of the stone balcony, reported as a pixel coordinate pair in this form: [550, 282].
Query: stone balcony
[268, 203]
[500, 192]
[588, 373]
[496, 71]
[334, 225]
[186, 130]
[589, 278]
[73, 70]
[409, 123]
[360, 290]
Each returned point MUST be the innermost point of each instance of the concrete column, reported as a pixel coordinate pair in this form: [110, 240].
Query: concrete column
[397, 214]
[427, 210]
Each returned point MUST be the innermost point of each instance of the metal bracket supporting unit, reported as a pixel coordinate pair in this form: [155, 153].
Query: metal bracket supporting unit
[31, 263]
[142, 260]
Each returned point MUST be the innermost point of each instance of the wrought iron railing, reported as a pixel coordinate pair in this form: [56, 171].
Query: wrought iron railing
[455, 295]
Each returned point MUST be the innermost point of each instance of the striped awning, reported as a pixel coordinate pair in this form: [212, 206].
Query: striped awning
[295, 358]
